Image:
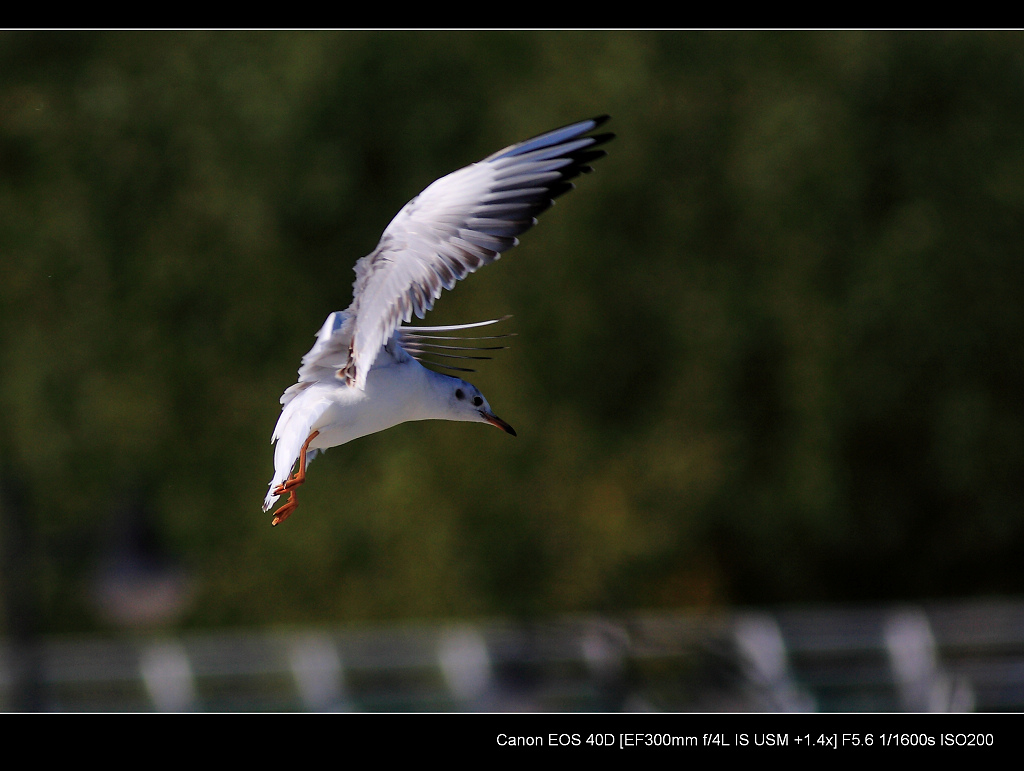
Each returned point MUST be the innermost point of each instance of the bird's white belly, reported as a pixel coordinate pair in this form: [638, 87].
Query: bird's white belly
[390, 397]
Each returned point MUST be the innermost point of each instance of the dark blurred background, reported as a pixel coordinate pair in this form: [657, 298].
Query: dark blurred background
[769, 352]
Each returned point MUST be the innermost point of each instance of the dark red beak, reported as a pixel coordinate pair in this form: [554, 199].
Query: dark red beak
[494, 420]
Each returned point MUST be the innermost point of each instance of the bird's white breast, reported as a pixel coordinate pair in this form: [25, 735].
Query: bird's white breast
[395, 392]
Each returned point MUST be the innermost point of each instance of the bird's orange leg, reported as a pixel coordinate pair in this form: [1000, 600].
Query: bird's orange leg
[297, 479]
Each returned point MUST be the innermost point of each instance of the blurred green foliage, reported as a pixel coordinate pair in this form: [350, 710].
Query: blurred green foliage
[769, 351]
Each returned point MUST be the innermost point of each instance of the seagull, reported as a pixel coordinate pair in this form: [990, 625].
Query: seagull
[365, 371]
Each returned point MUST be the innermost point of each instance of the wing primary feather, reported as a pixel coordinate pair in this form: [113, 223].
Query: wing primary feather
[453, 327]
[406, 336]
[414, 351]
[420, 344]
[447, 366]
[553, 137]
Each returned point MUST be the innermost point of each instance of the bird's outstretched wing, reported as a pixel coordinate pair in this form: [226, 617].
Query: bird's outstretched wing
[456, 225]
[330, 353]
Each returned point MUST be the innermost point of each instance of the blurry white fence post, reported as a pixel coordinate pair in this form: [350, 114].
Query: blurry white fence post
[168, 677]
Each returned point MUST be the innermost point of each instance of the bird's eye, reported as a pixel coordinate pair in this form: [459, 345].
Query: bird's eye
[459, 394]
[477, 401]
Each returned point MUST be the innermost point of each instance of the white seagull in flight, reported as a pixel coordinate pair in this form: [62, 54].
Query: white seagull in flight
[364, 374]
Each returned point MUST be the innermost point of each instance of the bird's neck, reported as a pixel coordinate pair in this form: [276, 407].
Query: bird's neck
[409, 391]
[436, 395]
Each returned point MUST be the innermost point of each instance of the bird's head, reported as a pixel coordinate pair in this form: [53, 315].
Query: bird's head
[465, 402]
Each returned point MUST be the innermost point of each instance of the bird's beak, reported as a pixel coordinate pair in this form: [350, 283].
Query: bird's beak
[494, 420]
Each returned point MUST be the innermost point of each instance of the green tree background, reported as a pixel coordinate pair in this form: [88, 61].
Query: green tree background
[770, 351]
